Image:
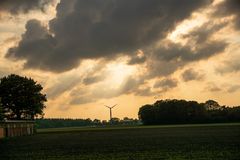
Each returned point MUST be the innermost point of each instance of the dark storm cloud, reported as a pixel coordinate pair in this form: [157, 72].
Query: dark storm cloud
[190, 74]
[100, 29]
[201, 34]
[170, 56]
[228, 8]
[176, 52]
[166, 84]
[157, 67]
[37, 46]
[22, 6]
[166, 60]
[137, 60]
[198, 46]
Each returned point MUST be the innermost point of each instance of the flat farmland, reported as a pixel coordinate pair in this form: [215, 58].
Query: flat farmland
[202, 142]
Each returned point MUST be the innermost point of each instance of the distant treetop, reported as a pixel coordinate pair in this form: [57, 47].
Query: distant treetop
[173, 111]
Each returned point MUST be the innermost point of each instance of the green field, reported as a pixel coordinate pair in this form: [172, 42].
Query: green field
[215, 141]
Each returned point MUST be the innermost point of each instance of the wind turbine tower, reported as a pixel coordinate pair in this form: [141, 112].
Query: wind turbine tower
[110, 108]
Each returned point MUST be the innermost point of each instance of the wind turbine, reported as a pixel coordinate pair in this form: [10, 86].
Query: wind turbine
[110, 108]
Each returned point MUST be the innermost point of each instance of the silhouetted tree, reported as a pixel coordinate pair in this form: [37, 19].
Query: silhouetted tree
[212, 105]
[21, 97]
[233, 113]
[114, 120]
[146, 114]
[96, 121]
[182, 111]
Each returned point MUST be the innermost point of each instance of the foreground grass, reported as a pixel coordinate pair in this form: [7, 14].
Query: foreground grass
[99, 128]
[215, 141]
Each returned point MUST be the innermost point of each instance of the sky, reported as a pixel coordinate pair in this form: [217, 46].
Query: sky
[87, 54]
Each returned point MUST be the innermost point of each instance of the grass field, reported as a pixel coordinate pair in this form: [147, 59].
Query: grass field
[202, 142]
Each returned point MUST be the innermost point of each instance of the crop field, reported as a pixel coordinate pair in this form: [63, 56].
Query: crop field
[201, 142]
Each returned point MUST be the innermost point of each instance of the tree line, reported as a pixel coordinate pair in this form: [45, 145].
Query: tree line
[67, 122]
[173, 111]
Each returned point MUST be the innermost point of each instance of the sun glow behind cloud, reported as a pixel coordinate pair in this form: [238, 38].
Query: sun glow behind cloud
[117, 72]
[196, 20]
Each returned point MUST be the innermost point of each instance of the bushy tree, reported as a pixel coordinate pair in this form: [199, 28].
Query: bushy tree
[21, 97]
[114, 120]
[212, 105]
[172, 112]
[182, 111]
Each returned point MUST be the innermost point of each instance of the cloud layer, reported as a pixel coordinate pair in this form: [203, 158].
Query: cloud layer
[136, 31]
[22, 6]
[190, 74]
[95, 29]
[229, 8]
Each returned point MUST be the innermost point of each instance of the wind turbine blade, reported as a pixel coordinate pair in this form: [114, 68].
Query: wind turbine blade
[113, 105]
[107, 106]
